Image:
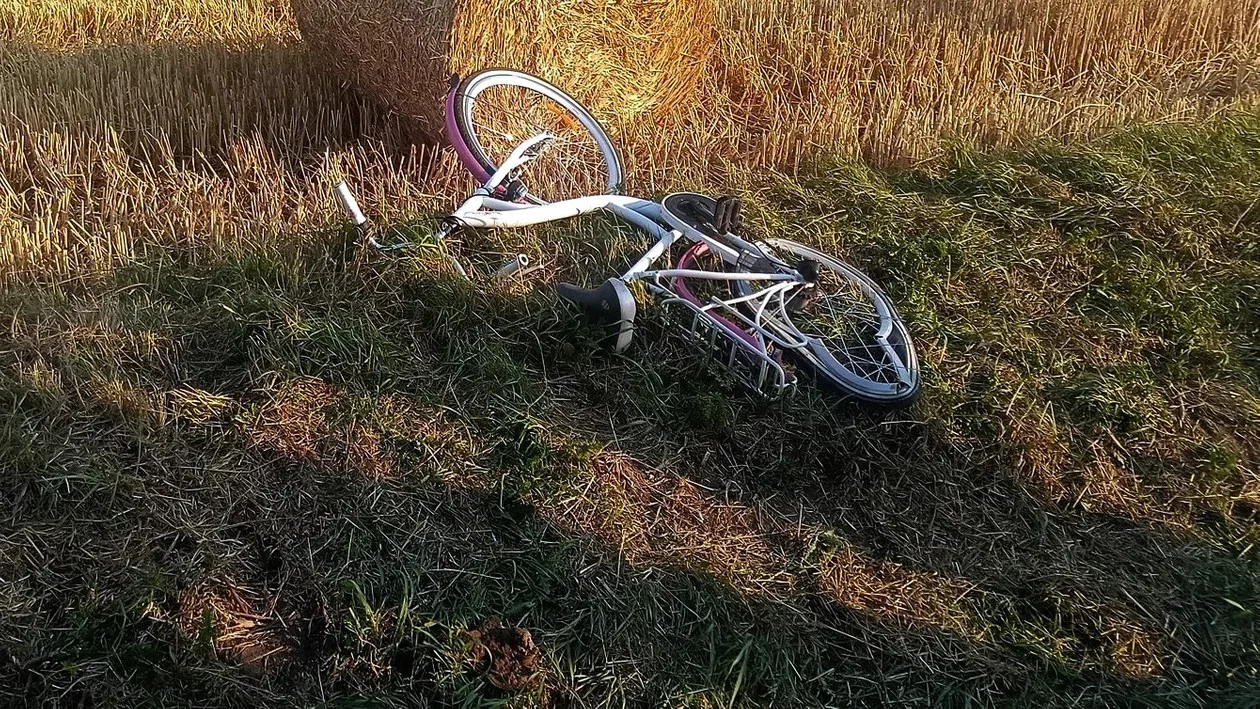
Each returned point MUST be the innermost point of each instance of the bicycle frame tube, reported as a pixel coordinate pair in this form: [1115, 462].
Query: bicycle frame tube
[519, 157]
[487, 210]
[483, 210]
[715, 275]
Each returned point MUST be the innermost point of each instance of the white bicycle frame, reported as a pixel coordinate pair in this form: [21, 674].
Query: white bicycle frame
[483, 210]
[745, 343]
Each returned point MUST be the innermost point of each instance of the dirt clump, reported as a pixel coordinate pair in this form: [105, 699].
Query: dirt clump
[508, 656]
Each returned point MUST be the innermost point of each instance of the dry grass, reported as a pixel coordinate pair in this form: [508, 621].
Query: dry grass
[129, 127]
[245, 469]
[766, 83]
[624, 58]
[80, 24]
[155, 126]
[891, 78]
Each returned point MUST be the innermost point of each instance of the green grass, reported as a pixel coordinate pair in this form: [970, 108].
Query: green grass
[295, 479]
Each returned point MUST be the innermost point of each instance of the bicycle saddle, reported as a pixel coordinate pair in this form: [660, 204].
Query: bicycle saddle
[712, 217]
[611, 304]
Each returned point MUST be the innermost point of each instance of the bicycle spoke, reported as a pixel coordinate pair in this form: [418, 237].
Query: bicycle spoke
[844, 320]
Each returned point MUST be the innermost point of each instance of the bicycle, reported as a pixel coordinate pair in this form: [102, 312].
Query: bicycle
[759, 307]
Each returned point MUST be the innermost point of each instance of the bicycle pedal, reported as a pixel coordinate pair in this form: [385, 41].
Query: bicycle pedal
[728, 214]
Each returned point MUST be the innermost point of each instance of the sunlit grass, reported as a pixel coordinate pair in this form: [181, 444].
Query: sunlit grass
[291, 476]
[131, 127]
[246, 463]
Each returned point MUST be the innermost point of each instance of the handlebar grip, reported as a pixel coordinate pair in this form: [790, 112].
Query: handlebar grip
[350, 205]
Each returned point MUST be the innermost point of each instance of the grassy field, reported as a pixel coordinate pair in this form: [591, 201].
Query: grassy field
[131, 126]
[292, 477]
[244, 464]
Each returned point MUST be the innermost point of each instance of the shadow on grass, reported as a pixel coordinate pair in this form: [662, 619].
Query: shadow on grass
[264, 480]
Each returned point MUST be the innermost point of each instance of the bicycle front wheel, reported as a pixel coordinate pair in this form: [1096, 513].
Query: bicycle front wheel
[493, 111]
[853, 339]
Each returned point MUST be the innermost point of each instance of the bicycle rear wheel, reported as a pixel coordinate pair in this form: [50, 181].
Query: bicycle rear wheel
[854, 340]
[493, 111]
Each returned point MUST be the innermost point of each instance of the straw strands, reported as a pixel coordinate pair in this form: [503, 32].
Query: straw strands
[167, 107]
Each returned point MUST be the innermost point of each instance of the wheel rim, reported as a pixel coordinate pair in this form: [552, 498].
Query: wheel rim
[855, 337]
[504, 108]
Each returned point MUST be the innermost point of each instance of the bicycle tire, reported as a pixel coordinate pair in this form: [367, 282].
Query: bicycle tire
[869, 381]
[472, 150]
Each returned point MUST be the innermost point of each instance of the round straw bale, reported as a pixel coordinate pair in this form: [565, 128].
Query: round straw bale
[621, 58]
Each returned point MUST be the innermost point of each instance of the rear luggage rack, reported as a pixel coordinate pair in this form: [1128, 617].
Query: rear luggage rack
[749, 365]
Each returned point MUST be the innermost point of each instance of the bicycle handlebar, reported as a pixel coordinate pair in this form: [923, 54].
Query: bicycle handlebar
[350, 205]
